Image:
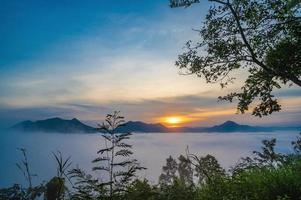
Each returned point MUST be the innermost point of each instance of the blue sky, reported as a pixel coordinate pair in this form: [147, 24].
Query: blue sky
[84, 59]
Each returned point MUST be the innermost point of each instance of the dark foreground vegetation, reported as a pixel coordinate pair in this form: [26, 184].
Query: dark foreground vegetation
[265, 175]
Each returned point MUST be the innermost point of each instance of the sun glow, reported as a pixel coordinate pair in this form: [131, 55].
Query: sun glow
[173, 121]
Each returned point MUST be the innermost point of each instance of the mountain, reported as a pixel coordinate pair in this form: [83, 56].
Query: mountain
[57, 125]
[230, 126]
[137, 126]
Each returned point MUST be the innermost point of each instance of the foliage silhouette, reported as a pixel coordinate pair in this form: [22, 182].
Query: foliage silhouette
[169, 171]
[56, 188]
[260, 37]
[23, 166]
[114, 160]
[17, 192]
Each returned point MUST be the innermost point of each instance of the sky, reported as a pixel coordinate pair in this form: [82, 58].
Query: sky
[86, 59]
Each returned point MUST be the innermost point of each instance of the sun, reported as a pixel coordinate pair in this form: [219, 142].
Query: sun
[173, 121]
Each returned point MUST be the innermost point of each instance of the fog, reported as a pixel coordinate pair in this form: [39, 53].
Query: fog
[150, 149]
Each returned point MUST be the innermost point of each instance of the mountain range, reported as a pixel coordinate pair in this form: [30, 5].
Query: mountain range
[58, 125]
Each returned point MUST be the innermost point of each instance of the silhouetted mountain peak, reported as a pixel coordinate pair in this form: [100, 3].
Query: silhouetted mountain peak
[76, 120]
[142, 123]
[231, 126]
[229, 123]
[55, 124]
[138, 126]
[53, 119]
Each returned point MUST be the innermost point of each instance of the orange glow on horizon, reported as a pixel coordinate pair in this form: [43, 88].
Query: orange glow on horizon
[173, 121]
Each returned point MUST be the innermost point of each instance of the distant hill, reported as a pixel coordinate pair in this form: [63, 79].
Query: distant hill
[230, 126]
[59, 125]
[137, 126]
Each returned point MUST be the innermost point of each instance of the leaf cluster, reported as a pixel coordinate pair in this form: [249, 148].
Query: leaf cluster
[260, 37]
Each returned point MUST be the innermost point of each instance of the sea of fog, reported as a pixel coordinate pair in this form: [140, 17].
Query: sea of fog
[151, 149]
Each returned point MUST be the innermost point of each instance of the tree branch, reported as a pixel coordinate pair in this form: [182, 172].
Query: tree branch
[254, 57]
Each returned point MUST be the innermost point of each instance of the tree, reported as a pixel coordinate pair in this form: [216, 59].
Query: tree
[169, 171]
[261, 37]
[141, 189]
[185, 170]
[267, 155]
[207, 168]
[86, 187]
[297, 145]
[266, 158]
[114, 159]
[176, 179]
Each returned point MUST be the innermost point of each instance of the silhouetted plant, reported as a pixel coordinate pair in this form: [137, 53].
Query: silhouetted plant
[141, 189]
[297, 145]
[86, 187]
[207, 168]
[185, 170]
[177, 191]
[267, 157]
[115, 158]
[17, 192]
[169, 171]
[56, 188]
[62, 164]
[114, 161]
[23, 166]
